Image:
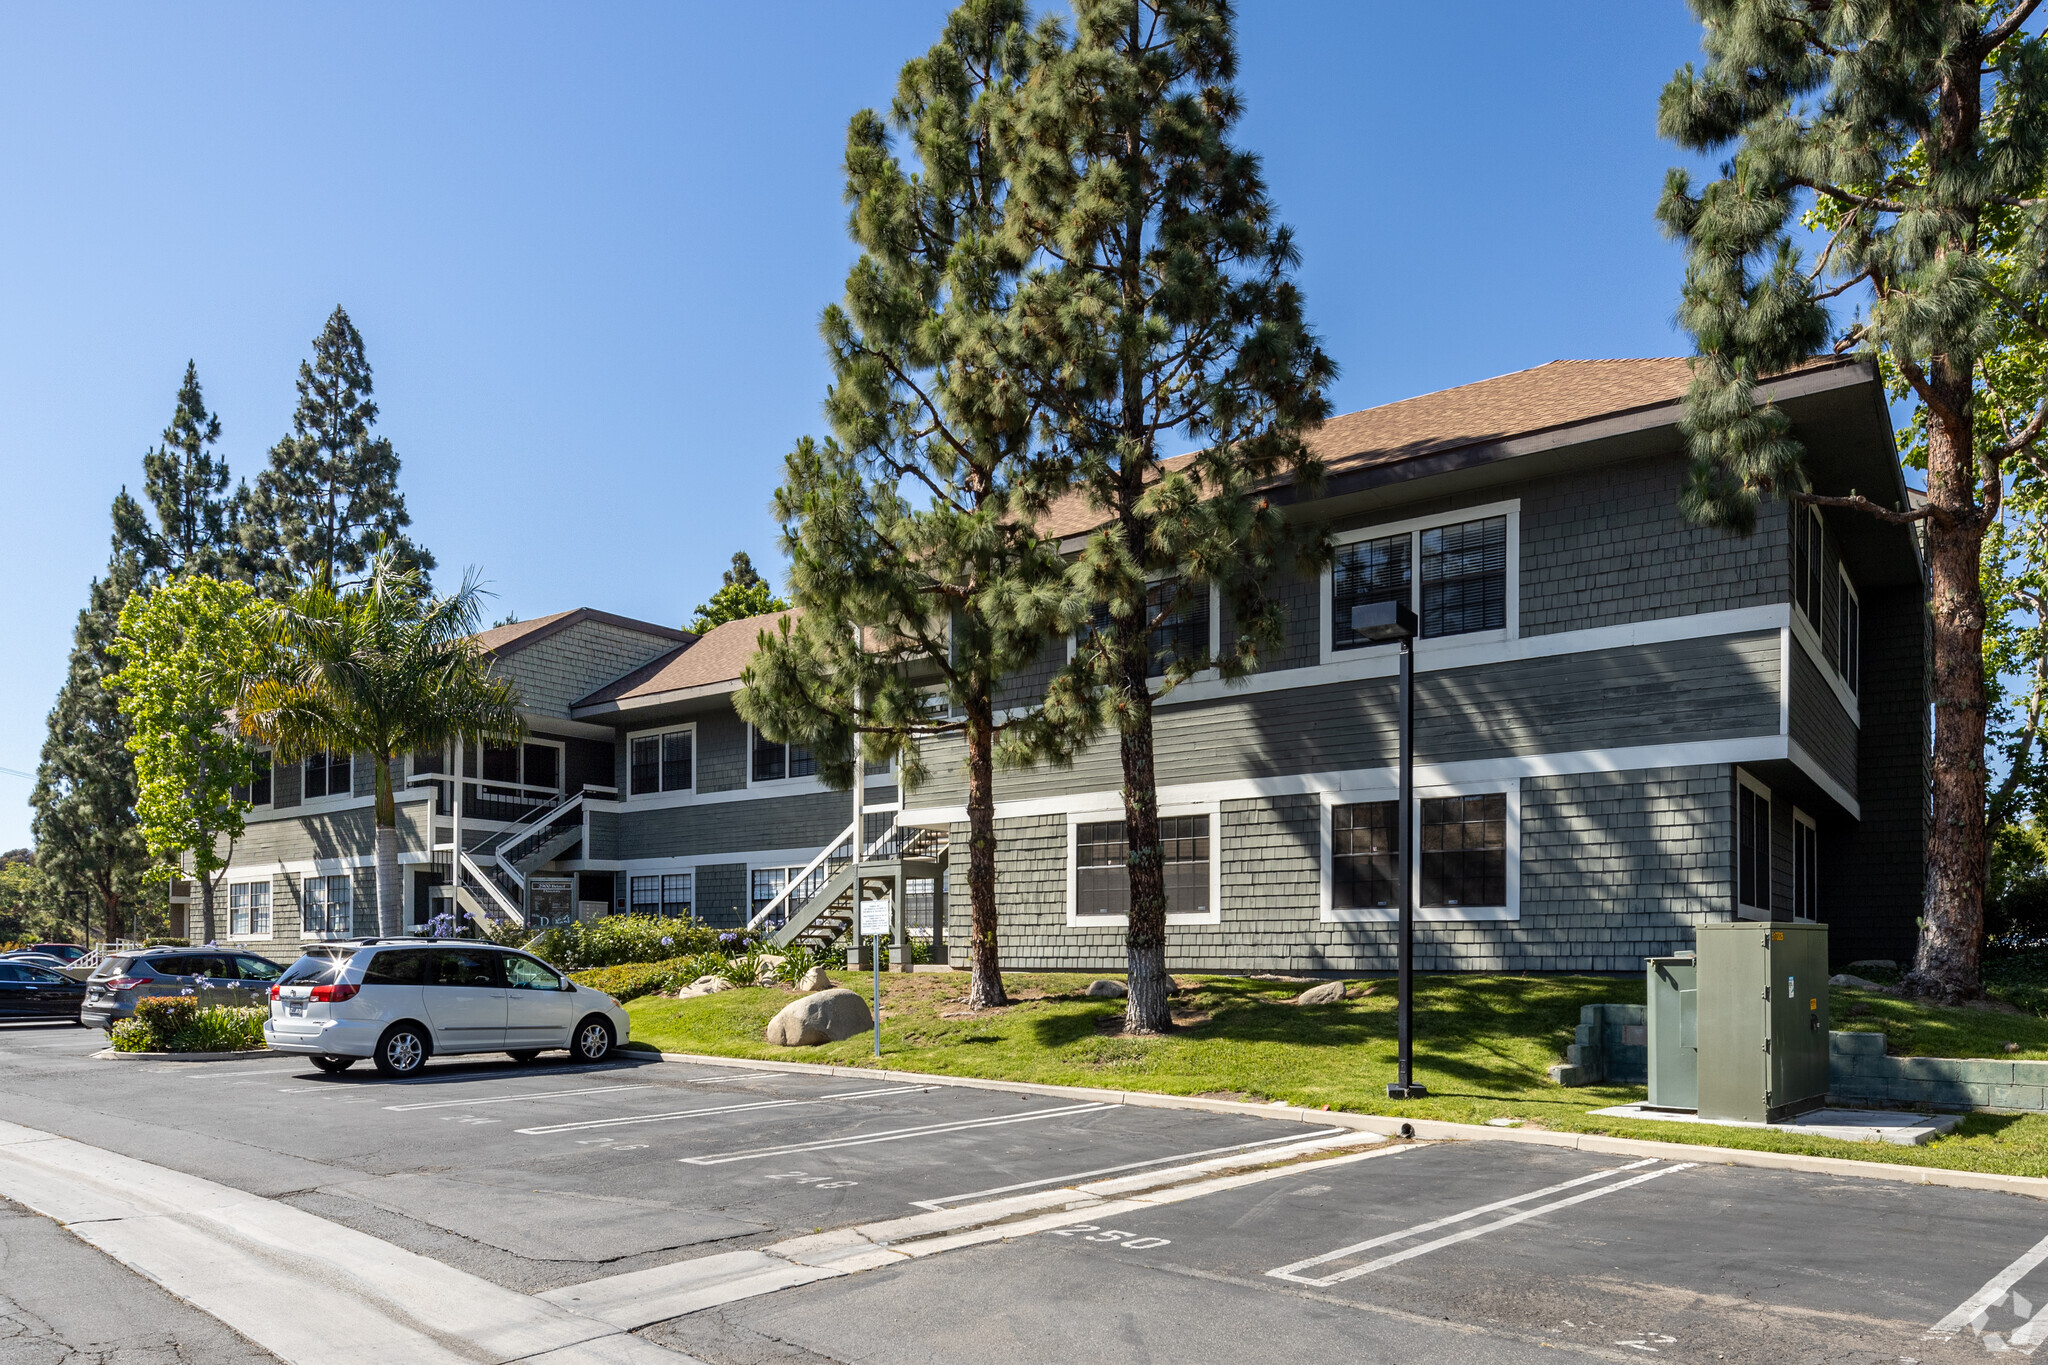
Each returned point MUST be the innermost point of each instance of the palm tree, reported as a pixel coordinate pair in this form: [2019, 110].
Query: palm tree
[384, 667]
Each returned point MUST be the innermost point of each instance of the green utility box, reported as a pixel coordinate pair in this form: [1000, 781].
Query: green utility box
[1763, 1019]
[1674, 1021]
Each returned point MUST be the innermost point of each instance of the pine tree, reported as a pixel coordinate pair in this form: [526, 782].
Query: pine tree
[744, 593]
[1918, 135]
[196, 524]
[87, 839]
[916, 608]
[1163, 307]
[330, 495]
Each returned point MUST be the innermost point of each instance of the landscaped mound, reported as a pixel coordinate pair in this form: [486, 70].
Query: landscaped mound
[181, 1024]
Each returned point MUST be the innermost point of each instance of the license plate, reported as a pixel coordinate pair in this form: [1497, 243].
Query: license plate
[295, 1011]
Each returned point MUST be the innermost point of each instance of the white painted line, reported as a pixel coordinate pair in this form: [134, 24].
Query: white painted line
[626, 1120]
[892, 1135]
[1994, 1289]
[1292, 1272]
[513, 1099]
[937, 1204]
[1469, 1233]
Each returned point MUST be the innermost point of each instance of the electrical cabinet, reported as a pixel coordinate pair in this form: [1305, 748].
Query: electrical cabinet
[1762, 1019]
[1674, 1032]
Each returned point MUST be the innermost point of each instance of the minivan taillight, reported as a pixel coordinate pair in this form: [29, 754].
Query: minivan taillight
[276, 991]
[123, 983]
[344, 991]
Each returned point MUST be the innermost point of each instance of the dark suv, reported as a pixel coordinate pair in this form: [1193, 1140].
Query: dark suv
[218, 976]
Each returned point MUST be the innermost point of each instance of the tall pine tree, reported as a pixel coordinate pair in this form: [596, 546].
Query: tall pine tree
[330, 495]
[1163, 310]
[918, 529]
[195, 526]
[1920, 134]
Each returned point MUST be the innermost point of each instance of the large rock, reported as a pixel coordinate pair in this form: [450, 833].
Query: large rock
[814, 980]
[827, 1017]
[1329, 993]
[704, 985]
[1106, 989]
[1857, 983]
[769, 969]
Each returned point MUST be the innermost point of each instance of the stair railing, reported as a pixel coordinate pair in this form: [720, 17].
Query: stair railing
[800, 888]
[495, 889]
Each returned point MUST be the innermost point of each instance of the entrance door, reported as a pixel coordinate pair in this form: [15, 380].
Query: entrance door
[466, 1000]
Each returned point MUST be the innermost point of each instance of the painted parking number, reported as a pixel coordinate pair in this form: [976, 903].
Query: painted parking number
[819, 1182]
[1091, 1232]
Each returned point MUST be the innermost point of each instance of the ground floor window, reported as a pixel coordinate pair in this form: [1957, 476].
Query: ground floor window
[767, 885]
[326, 907]
[249, 908]
[1365, 855]
[1752, 847]
[1102, 879]
[1805, 876]
[1465, 851]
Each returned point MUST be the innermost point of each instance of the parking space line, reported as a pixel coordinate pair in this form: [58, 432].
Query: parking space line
[1291, 1272]
[625, 1120]
[936, 1204]
[893, 1135]
[509, 1099]
[1995, 1289]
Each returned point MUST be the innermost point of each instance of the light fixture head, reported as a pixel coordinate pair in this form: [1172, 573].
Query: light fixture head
[1383, 621]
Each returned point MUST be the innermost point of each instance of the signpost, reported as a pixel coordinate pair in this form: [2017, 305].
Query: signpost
[874, 924]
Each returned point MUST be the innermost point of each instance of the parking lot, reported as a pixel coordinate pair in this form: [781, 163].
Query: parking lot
[553, 1175]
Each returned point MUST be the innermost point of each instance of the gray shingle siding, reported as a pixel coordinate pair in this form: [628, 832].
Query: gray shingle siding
[1818, 721]
[571, 664]
[803, 821]
[1027, 687]
[721, 893]
[721, 752]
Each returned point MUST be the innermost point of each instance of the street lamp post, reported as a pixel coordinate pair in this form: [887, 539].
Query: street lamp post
[1380, 622]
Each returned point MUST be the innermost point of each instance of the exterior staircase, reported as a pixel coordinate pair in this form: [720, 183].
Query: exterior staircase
[491, 880]
[821, 904]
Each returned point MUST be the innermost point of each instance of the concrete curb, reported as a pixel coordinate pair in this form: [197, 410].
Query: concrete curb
[2033, 1187]
[109, 1055]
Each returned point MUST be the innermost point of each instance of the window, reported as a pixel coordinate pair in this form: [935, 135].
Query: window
[767, 885]
[1465, 851]
[1365, 856]
[1183, 633]
[662, 763]
[1102, 880]
[1752, 847]
[325, 907]
[249, 908]
[402, 967]
[525, 974]
[1465, 577]
[256, 969]
[1805, 856]
[1367, 572]
[256, 791]
[327, 774]
[774, 760]
[675, 895]
[646, 896]
[1803, 558]
[463, 967]
[543, 766]
[1849, 632]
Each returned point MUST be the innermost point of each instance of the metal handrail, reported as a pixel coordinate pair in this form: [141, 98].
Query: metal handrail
[781, 901]
[536, 818]
[490, 884]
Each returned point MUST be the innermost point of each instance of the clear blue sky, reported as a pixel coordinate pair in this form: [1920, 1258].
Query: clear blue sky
[587, 247]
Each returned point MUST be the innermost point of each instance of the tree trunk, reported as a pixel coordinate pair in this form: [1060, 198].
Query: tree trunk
[207, 937]
[389, 896]
[985, 982]
[1948, 962]
[1146, 1009]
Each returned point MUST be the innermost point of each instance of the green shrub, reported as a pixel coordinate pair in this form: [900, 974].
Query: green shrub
[133, 1035]
[632, 980]
[615, 940]
[181, 1023]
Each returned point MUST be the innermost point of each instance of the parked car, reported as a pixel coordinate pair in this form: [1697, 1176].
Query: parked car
[55, 964]
[68, 953]
[222, 977]
[399, 1002]
[28, 991]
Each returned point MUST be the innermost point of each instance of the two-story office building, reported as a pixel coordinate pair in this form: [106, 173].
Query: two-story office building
[1626, 725]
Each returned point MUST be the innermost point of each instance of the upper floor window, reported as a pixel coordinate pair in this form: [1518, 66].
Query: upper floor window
[326, 774]
[1849, 632]
[1454, 576]
[662, 763]
[256, 791]
[1823, 590]
[526, 765]
[1180, 616]
[773, 760]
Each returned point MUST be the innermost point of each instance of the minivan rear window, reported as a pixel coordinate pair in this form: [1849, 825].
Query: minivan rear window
[314, 971]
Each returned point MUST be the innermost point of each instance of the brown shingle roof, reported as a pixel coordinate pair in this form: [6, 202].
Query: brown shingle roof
[718, 656]
[508, 639]
[1558, 394]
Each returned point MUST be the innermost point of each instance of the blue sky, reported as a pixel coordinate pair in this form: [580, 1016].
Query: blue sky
[587, 247]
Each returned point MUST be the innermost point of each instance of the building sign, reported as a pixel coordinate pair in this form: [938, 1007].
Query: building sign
[549, 900]
[874, 917]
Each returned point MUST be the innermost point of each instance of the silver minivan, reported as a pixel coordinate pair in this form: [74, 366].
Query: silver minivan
[401, 1001]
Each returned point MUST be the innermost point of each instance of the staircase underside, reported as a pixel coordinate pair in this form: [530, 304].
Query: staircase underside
[826, 918]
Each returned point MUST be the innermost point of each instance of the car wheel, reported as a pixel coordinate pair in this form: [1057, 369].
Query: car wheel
[402, 1051]
[524, 1055]
[334, 1064]
[593, 1040]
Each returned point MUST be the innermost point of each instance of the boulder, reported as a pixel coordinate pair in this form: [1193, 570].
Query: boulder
[704, 985]
[770, 967]
[1106, 989]
[827, 1017]
[1860, 984]
[1328, 993]
[1882, 964]
[814, 980]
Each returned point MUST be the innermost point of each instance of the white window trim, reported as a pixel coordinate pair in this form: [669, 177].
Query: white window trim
[1799, 818]
[329, 802]
[1744, 910]
[1849, 588]
[270, 903]
[269, 756]
[1413, 528]
[1808, 636]
[809, 783]
[323, 935]
[1462, 914]
[1078, 818]
[682, 796]
[1806, 620]
[1206, 675]
[690, 871]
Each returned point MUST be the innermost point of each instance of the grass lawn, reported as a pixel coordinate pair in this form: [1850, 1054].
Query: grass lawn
[1482, 1046]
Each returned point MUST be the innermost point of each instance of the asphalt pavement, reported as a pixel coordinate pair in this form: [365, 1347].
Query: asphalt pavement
[549, 1175]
